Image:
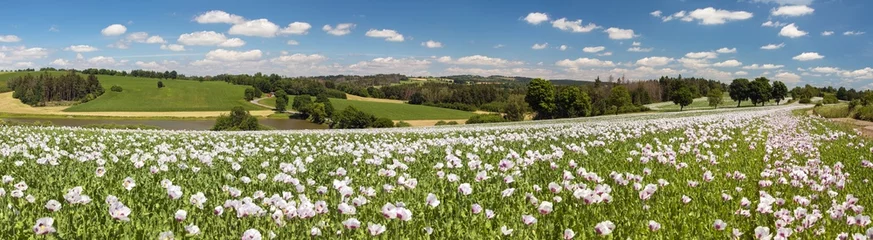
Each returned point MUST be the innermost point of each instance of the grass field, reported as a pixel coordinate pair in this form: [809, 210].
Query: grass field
[840, 110]
[393, 111]
[703, 103]
[4, 76]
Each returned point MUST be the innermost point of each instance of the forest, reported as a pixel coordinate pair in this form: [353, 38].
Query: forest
[45, 88]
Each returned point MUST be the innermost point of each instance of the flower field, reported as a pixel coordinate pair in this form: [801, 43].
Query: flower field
[760, 173]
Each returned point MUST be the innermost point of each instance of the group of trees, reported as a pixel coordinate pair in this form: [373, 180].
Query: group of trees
[251, 93]
[102, 71]
[44, 88]
[351, 117]
[549, 102]
[758, 91]
[238, 120]
[319, 111]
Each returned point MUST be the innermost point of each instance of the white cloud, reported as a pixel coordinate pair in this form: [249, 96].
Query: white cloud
[173, 47]
[605, 54]
[24, 64]
[114, 30]
[137, 37]
[101, 61]
[478, 60]
[81, 48]
[639, 49]
[656, 13]
[865, 73]
[699, 55]
[79, 56]
[499, 46]
[728, 63]
[536, 18]
[339, 30]
[60, 62]
[573, 26]
[763, 67]
[619, 34]
[852, 33]
[9, 38]
[298, 28]
[391, 65]
[233, 56]
[155, 39]
[255, 28]
[786, 2]
[787, 77]
[216, 16]
[538, 46]
[727, 50]
[773, 24]
[593, 49]
[773, 46]
[563, 47]
[654, 61]
[292, 43]
[298, 58]
[825, 70]
[741, 73]
[388, 34]
[584, 62]
[712, 16]
[233, 42]
[808, 56]
[636, 44]
[432, 44]
[827, 33]
[203, 38]
[792, 11]
[694, 63]
[792, 31]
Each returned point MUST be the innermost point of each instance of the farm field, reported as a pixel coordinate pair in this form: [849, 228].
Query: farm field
[749, 173]
[390, 110]
[5, 76]
[703, 103]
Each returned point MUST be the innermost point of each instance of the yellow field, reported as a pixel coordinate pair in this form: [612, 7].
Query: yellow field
[359, 98]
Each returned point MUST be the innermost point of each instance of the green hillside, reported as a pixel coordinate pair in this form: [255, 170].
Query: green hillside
[393, 111]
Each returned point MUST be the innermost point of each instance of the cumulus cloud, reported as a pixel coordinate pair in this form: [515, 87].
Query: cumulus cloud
[538, 46]
[563, 47]
[536, 18]
[173, 47]
[639, 49]
[792, 11]
[155, 39]
[114, 30]
[699, 55]
[296, 28]
[573, 26]
[726, 50]
[808, 56]
[478, 60]
[741, 73]
[773, 24]
[827, 33]
[584, 62]
[217, 16]
[101, 61]
[255, 28]
[391, 65]
[233, 56]
[654, 61]
[81, 48]
[763, 66]
[709, 16]
[786, 2]
[340, 29]
[209, 38]
[432, 44]
[852, 33]
[773, 46]
[60, 62]
[787, 77]
[388, 34]
[233, 42]
[298, 58]
[604, 54]
[619, 34]
[728, 63]
[292, 43]
[656, 13]
[593, 49]
[9, 38]
[792, 31]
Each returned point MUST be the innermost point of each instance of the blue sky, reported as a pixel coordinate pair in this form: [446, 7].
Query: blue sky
[821, 42]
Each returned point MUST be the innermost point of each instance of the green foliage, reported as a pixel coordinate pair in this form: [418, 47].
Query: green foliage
[417, 98]
[258, 93]
[402, 124]
[805, 100]
[121, 126]
[832, 111]
[238, 120]
[620, 98]
[830, 99]
[572, 102]
[715, 98]
[116, 88]
[854, 103]
[780, 91]
[160, 84]
[682, 97]
[382, 123]
[456, 106]
[281, 101]
[444, 123]
[541, 98]
[739, 90]
[486, 118]
[317, 113]
[249, 94]
[393, 111]
[516, 108]
[864, 113]
[351, 117]
[759, 91]
[301, 102]
[45, 88]
[324, 100]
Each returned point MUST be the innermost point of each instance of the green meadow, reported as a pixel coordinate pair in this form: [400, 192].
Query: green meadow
[393, 111]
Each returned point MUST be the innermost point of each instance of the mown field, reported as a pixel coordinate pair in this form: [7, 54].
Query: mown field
[393, 111]
[749, 173]
[5, 76]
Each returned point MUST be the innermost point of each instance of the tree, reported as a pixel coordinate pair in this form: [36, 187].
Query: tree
[281, 100]
[683, 97]
[417, 98]
[739, 90]
[515, 108]
[328, 107]
[382, 123]
[619, 98]
[572, 102]
[842, 94]
[258, 93]
[250, 94]
[715, 98]
[541, 97]
[759, 91]
[238, 120]
[352, 118]
[173, 74]
[301, 103]
[317, 113]
[160, 84]
[780, 91]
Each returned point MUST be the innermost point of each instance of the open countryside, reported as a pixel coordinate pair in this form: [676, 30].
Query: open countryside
[514, 119]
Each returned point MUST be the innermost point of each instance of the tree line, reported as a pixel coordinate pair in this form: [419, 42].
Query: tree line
[44, 88]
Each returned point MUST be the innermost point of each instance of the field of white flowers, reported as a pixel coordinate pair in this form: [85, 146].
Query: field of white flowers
[757, 173]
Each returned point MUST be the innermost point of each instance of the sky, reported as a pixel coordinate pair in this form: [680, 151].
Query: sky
[818, 42]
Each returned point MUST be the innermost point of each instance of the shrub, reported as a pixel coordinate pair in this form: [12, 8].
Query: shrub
[238, 120]
[452, 123]
[832, 111]
[352, 118]
[805, 100]
[402, 124]
[160, 84]
[456, 106]
[818, 104]
[485, 118]
[116, 88]
[382, 123]
[495, 106]
[853, 104]
[864, 113]
[333, 93]
[440, 123]
[830, 99]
